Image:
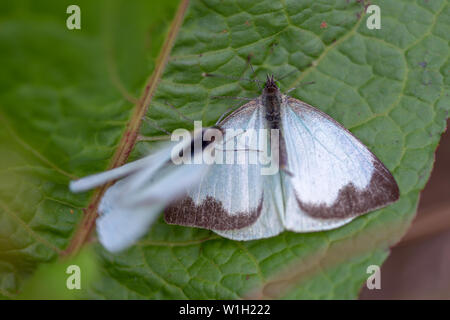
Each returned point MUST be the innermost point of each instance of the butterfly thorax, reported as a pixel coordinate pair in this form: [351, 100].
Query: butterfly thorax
[271, 99]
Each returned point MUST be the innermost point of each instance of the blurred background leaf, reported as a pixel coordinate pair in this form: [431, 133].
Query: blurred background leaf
[66, 98]
[50, 280]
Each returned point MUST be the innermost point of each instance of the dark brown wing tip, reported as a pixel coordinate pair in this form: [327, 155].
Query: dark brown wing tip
[210, 214]
[381, 191]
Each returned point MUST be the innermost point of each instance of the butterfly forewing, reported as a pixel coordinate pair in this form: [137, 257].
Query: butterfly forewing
[119, 224]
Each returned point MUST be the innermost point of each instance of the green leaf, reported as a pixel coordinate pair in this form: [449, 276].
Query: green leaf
[63, 279]
[66, 99]
[62, 112]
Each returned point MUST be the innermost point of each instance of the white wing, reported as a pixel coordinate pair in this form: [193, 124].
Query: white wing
[230, 196]
[153, 161]
[132, 204]
[119, 226]
[335, 177]
[127, 212]
[269, 223]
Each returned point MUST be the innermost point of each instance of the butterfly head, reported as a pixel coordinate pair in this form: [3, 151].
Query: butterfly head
[270, 88]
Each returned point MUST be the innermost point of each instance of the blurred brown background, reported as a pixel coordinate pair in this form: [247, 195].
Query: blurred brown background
[419, 266]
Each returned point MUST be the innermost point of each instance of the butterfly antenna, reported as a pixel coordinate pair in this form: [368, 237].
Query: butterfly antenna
[251, 66]
[259, 82]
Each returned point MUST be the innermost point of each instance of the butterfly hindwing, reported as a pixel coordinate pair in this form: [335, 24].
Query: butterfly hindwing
[269, 223]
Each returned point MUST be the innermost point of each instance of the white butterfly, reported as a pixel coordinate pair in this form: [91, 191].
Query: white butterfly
[328, 176]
